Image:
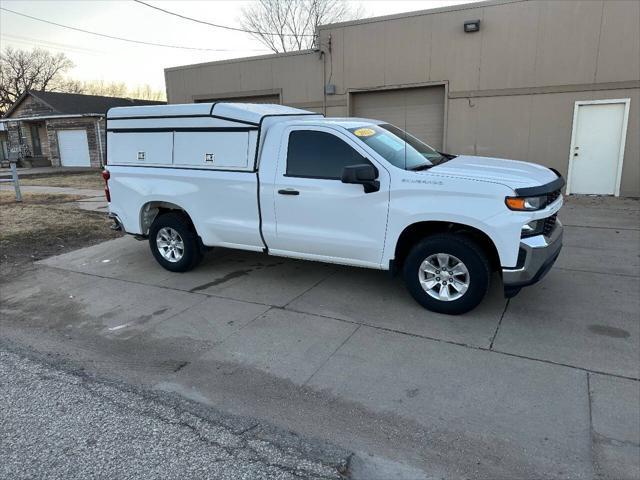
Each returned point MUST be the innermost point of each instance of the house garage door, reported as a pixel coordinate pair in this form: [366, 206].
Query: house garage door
[420, 111]
[254, 99]
[74, 149]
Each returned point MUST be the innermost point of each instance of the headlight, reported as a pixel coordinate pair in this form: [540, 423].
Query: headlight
[526, 203]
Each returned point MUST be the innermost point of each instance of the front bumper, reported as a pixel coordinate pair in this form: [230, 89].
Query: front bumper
[537, 256]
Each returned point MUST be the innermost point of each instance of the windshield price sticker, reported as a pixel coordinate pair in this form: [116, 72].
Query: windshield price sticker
[364, 132]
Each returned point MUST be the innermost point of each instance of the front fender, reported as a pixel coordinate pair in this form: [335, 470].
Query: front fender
[469, 203]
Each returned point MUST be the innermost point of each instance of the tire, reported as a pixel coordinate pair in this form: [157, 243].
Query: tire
[174, 242]
[465, 285]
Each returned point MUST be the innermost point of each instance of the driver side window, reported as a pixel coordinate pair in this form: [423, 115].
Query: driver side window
[315, 154]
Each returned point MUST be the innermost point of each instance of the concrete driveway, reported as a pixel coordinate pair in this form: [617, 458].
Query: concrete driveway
[543, 386]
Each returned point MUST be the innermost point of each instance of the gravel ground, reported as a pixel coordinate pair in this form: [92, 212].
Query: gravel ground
[56, 424]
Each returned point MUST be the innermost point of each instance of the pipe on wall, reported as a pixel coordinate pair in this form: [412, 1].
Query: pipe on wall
[99, 136]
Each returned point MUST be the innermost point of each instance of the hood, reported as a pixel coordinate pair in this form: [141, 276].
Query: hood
[512, 173]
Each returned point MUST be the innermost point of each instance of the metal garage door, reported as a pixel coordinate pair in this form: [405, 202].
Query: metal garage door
[420, 111]
[74, 149]
[254, 99]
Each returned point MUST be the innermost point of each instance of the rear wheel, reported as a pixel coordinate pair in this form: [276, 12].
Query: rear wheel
[447, 273]
[174, 242]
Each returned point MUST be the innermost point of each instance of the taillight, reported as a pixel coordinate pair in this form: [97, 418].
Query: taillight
[106, 176]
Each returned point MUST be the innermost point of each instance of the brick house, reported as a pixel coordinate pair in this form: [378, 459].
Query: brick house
[60, 129]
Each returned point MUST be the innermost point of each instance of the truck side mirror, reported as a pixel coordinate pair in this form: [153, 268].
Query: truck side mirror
[363, 174]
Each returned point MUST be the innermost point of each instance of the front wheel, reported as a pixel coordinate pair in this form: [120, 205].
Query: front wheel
[447, 273]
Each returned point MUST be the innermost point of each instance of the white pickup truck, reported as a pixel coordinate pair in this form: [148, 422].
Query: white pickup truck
[351, 191]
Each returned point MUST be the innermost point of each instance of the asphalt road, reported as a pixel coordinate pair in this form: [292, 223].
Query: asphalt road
[56, 424]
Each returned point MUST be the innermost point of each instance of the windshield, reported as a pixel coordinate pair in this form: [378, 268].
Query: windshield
[399, 147]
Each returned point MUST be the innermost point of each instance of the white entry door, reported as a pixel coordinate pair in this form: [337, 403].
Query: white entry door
[74, 148]
[597, 147]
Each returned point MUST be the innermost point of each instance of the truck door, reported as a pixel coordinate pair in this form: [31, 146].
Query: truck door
[318, 216]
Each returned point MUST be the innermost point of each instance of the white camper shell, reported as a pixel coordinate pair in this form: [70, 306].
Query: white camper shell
[213, 136]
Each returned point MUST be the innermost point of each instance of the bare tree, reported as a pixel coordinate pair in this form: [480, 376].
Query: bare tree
[120, 89]
[22, 70]
[146, 92]
[288, 25]
[104, 88]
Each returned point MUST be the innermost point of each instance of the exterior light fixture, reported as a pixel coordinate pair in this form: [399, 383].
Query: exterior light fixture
[471, 26]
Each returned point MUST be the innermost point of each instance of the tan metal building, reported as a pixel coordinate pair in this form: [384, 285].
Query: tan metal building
[556, 82]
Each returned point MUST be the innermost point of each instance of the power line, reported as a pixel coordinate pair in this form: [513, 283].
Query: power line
[140, 42]
[226, 27]
[53, 45]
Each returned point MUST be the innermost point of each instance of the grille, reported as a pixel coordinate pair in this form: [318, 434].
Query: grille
[552, 197]
[549, 224]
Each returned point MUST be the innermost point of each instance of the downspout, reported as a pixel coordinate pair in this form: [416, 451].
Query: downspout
[324, 82]
[99, 136]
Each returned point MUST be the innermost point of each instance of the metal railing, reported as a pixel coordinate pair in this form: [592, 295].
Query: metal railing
[14, 179]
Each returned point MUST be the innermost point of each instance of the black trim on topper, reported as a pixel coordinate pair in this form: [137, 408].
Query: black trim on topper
[552, 186]
[159, 117]
[173, 166]
[148, 117]
[182, 129]
[264, 242]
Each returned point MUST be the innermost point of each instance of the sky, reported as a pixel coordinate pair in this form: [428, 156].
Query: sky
[105, 59]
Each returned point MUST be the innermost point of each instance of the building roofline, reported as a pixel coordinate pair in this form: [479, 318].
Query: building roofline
[51, 117]
[56, 111]
[418, 13]
[16, 103]
[241, 59]
[38, 94]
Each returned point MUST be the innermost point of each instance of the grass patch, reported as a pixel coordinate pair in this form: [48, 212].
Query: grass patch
[9, 198]
[43, 225]
[92, 180]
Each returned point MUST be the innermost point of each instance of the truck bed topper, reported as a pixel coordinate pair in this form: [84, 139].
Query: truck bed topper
[200, 135]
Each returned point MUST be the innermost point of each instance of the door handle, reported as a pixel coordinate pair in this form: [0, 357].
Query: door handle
[288, 191]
